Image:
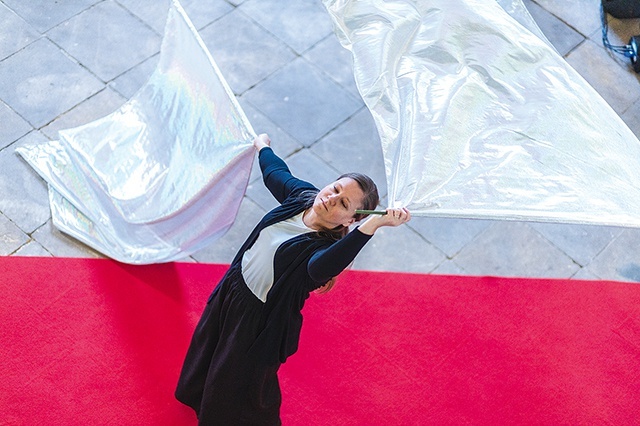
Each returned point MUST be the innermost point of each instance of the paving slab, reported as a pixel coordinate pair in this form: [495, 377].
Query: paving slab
[130, 82]
[354, 146]
[303, 101]
[561, 36]
[100, 105]
[114, 51]
[60, 244]
[632, 117]
[281, 142]
[449, 267]
[581, 243]
[16, 32]
[585, 274]
[336, 61]
[32, 249]
[620, 260]
[40, 82]
[514, 249]
[46, 14]
[203, 13]
[11, 237]
[301, 24]
[583, 15]
[245, 52]
[13, 126]
[448, 234]
[24, 197]
[605, 73]
[154, 13]
[399, 249]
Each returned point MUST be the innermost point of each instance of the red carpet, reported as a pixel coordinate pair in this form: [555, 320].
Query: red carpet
[94, 342]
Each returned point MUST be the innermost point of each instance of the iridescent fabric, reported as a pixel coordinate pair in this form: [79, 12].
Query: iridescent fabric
[164, 175]
[479, 116]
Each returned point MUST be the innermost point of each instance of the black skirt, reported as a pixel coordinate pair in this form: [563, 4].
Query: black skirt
[219, 378]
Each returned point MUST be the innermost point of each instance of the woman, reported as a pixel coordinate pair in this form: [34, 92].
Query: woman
[252, 320]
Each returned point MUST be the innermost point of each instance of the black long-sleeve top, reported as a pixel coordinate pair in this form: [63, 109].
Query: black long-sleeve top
[301, 264]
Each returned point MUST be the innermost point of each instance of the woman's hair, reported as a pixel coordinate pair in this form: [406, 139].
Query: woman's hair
[369, 202]
[370, 190]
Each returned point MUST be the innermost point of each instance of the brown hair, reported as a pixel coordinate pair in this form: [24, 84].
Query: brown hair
[370, 202]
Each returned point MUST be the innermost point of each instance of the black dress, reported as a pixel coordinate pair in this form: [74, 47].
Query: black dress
[229, 376]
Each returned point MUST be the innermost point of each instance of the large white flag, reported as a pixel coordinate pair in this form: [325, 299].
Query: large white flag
[164, 175]
[479, 116]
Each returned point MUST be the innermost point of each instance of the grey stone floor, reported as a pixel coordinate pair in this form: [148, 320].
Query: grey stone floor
[66, 63]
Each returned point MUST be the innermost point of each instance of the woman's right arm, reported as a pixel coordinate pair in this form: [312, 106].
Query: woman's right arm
[275, 173]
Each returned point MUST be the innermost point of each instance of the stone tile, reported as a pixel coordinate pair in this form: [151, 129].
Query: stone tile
[354, 146]
[224, 249]
[46, 14]
[398, 249]
[151, 12]
[32, 248]
[244, 51]
[23, 194]
[335, 61]
[11, 237]
[40, 82]
[583, 16]
[154, 12]
[580, 243]
[301, 24]
[449, 267]
[619, 260]
[282, 143]
[610, 79]
[584, 274]
[15, 34]
[13, 126]
[203, 13]
[303, 101]
[60, 244]
[97, 106]
[131, 81]
[448, 234]
[632, 118]
[308, 166]
[114, 51]
[514, 249]
[562, 37]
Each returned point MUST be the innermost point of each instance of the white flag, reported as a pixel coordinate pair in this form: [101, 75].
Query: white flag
[164, 175]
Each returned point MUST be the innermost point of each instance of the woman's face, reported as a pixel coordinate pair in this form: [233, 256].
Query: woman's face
[337, 202]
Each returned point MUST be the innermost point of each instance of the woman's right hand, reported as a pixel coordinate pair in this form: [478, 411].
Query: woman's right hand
[262, 141]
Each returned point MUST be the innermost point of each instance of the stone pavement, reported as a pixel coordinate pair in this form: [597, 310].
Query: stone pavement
[63, 64]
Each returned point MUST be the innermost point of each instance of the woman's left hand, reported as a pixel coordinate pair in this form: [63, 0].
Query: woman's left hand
[394, 217]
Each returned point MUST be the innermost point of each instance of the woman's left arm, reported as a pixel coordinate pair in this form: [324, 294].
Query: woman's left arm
[329, 262]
